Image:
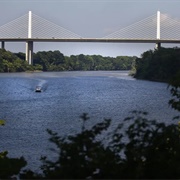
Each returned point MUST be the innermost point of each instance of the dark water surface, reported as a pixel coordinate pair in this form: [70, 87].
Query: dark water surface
[65, 96]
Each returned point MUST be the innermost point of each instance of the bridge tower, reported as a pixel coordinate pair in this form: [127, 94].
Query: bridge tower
[29, 44]
[158, 45]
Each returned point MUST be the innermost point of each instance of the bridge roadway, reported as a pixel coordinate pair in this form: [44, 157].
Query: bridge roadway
[100, 40]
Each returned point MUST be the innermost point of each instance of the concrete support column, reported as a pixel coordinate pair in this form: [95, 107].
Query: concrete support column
[158, 45]
[29, 52]
[2, 45]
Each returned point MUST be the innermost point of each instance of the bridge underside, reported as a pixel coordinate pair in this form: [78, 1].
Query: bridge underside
[110, 40]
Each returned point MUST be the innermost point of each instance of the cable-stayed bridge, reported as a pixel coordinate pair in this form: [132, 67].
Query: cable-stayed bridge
[158, 28]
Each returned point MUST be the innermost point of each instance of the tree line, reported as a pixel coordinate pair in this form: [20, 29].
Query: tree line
[158, 65]
[56, 61]
[9, 62]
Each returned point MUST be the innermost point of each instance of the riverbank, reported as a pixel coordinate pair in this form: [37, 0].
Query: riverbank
[160, 65]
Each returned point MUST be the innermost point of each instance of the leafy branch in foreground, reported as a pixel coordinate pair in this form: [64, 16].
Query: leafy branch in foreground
[143, 149]
[175, 92]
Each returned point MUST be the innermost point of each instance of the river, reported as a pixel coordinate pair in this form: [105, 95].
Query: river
[65, 96]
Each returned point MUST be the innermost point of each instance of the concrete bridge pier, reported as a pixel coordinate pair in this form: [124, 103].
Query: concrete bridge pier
[29, 52]
[158, 45]
[2, 45]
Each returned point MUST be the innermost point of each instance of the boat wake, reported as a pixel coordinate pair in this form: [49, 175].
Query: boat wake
[42, 83]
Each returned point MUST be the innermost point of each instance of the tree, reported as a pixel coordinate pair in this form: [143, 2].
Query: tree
[158, 65]
[8, 66]
[174, 86]
[9, 62]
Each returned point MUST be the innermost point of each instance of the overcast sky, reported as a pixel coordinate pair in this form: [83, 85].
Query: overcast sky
[88, 18]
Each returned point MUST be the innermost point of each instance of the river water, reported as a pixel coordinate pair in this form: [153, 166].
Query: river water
[65, 96]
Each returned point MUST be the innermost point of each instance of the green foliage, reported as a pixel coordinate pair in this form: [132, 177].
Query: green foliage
[158, 65]
[152, 150]
[2, 122]
[9, 62]
[10, 166]
[174, 86]
[55, 61]
[79, 156]
[49, 60]
[162, 65]
[144, 149]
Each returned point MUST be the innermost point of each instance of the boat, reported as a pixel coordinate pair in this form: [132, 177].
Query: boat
[38, 89]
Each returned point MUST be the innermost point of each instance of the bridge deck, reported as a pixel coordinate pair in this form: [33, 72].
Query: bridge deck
[100, 40]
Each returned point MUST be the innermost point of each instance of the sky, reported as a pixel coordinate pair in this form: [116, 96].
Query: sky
[89, 19]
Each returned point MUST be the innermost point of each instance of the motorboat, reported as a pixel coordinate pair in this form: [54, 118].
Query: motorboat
[38, 89]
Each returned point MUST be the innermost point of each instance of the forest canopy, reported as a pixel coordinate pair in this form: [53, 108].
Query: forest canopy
[158, 65]
[56, 61]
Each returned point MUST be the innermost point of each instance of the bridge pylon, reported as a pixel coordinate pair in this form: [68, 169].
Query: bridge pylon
[29, 44]
[158, 45]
